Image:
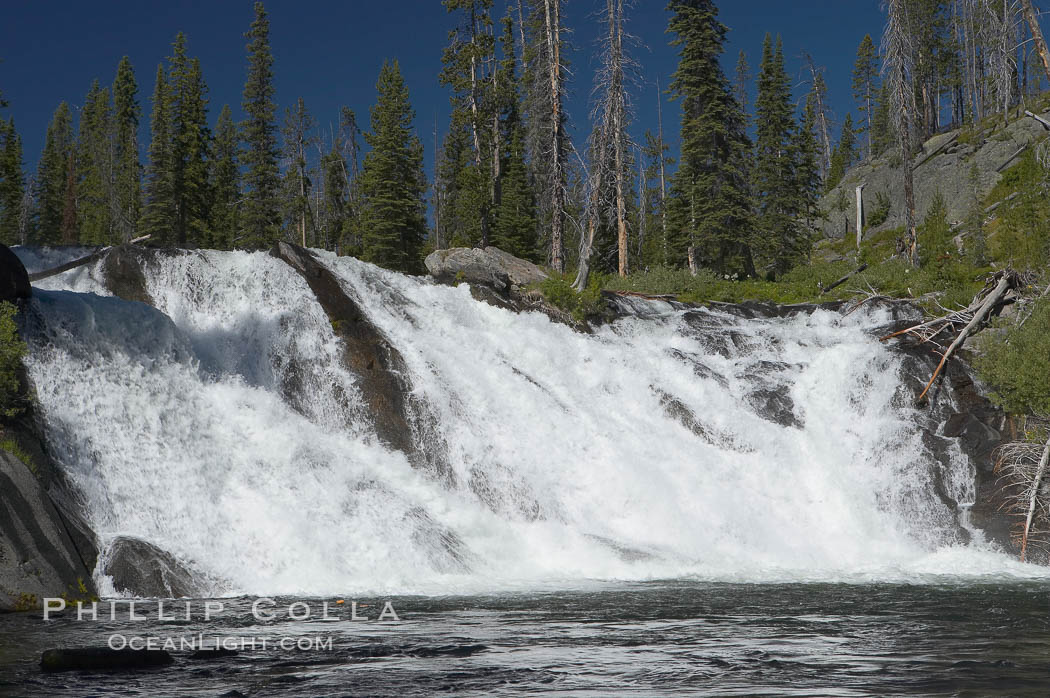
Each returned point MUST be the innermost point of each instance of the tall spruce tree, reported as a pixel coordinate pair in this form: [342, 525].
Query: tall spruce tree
[53, 176]
[882, 130]
[865, 86]
[95, 168]
[224, 183]
[128, 185]
[12, 184]
[468, 71]
[158, 215]
[392, 181]
[845, 152]
[709, 207]
[806, 149]
[260, 216]
[775, 186]
[189, 146]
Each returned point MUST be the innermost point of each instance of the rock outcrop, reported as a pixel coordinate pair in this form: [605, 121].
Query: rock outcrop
[142, 569]
[943, 165]
[38, 556]
[489, 266]
[14, 280]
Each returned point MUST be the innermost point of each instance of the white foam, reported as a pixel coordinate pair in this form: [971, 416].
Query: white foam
[185, 427]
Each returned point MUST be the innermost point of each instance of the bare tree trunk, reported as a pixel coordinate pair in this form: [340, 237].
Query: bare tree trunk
[616, 38]
[822, 116]
[898, 60]
[552, 9]
[663, 178]
[1037, 34]
[1033, 496]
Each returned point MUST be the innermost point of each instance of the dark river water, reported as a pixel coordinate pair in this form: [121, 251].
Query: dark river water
[670, 638]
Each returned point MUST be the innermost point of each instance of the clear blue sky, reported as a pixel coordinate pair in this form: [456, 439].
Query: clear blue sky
[330, 52]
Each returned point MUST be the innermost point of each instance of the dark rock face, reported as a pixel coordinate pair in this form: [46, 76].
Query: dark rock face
[123, 269]
[102, 659]
[369, 355]
[775, 405]
[38, 557]
[490, 266]
[142, 569]
[14, 280]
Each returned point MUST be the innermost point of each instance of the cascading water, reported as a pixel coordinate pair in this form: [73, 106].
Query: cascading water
[222, 427]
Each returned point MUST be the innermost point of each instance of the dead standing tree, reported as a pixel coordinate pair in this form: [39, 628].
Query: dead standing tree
[608, 142]
[1037, 34]
[1023, 465]
[899, 68]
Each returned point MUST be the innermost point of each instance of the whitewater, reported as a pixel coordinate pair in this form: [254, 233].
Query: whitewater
[221, 426]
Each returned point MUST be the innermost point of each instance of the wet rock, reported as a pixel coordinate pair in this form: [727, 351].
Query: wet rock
[373, 359]
[144, 570]
[102, 659]
[216, 653]
[122, 267]
[775, 405]
[38, 558]
[14, 280]
[490, 266]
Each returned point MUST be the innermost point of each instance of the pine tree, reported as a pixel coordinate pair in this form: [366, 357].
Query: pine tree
[126, 114]
[189, 146]
[53, 176]
[882, 132]
[865, 89]
[224, 183]
[392, 181]
[741, 79]
[158, 216]
[777, 198]
[844, 154]
[295, 191]
[332, 212]
[709, 208]
[467, 71]
[95, 168]
[806, 149]
[260, 217]
[515, 219]
[12, 184]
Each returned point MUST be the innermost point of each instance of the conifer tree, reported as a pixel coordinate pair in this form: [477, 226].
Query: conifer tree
[95, 168]
[350, 241]
[158, 216]
[332, 212]
[53, 176]
[709, 208]
[295, 191]
[844, 154]
[882, 133]
[189, 150]
[392, 181]
[260, 217]
[224, 183]
[128, 186]
[865, 85]
[806, 149]
[777, 198]
[12, 184]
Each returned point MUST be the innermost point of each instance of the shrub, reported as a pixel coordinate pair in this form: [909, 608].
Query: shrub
[12, 349]
[880, 211]
[1016, 364]
[558, 291]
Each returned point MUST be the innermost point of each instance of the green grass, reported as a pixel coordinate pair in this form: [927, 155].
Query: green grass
[12, 447]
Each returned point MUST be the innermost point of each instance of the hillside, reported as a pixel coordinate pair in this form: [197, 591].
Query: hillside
[963, 165]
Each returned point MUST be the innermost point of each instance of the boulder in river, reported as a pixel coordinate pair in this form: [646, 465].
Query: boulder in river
[143, 569]
[489, 266]
[102, 659]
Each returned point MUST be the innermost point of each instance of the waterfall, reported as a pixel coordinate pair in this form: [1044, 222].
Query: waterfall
[220, 424]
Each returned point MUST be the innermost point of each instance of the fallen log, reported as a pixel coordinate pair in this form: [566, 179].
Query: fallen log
[1006, 282]
[940, 148]
[94, 256]
[1011, 158]
[844, 279]
[1044, 122]
[649, 296]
